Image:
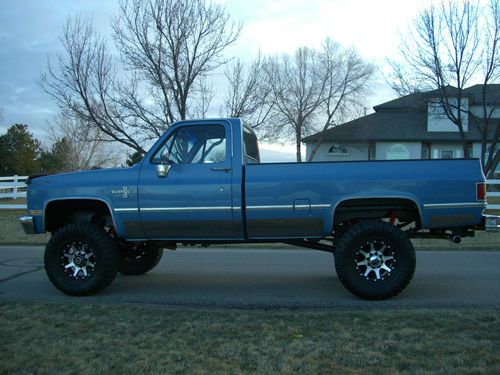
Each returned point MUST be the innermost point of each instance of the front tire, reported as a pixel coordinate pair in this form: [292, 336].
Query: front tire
[375, 260]
[81, 259]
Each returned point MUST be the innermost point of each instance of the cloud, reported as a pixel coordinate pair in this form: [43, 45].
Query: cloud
[270, 154]
[29, 35]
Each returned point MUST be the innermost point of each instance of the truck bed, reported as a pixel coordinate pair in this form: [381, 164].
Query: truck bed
[300, 199]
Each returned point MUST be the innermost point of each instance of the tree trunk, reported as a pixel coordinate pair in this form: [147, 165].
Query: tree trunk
[490, 173]
[298, 138]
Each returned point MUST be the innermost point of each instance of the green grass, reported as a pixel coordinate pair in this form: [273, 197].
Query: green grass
[483, 241]
[91, 339]
[13, 201]
[11, 232]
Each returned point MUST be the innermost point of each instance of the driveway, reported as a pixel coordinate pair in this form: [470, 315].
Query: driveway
[263, 278]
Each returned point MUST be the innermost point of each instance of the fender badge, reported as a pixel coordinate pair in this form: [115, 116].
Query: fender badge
[124, 191]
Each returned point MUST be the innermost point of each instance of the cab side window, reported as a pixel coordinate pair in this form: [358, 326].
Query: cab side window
[193, 145]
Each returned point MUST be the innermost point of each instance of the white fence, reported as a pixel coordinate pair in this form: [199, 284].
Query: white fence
[493, 194]
[14, 187]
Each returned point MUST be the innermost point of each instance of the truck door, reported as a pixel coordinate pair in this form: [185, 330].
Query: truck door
[193, 199]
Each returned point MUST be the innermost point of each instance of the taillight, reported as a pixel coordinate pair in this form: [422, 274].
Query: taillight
[481, 191]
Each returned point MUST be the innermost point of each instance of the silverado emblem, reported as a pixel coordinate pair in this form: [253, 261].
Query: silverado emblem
[124, 191]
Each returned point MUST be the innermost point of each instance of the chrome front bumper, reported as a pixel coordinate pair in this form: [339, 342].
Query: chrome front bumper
[27, 224]
[491, 223]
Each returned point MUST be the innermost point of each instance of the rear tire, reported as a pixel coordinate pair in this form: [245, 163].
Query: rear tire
[139, 260]
[81, 259]
[375, 260]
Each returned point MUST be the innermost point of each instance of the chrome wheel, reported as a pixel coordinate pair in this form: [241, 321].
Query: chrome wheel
[78, 260]
[375, 260]
[81, 259]
[366, 256]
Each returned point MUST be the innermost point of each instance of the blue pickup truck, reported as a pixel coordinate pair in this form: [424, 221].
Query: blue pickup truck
[202, 183]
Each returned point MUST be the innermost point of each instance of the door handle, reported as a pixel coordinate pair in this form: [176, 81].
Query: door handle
[220, 169]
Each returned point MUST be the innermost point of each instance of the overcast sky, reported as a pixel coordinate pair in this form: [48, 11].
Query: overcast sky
[29, 35]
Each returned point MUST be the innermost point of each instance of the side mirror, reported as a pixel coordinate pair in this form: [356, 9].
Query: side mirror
[165, 157]
[163, 168]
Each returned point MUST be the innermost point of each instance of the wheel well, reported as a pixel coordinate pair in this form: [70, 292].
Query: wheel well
[405, 210]
[61, 212]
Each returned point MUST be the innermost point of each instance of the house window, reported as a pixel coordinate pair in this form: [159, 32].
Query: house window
[338, 149]
[446, 154]
[397, 151]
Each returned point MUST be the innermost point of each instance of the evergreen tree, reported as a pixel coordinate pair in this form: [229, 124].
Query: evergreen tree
[134, 158]
[57, 159]
[19, 151]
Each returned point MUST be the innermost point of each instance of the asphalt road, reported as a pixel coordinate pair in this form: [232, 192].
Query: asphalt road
[263, 278]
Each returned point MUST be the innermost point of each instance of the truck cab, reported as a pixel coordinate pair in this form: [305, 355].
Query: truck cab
[190, 183]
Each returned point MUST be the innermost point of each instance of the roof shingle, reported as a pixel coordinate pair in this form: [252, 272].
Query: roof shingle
[404, 119]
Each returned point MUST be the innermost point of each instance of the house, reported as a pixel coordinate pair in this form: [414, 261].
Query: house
[411, 127]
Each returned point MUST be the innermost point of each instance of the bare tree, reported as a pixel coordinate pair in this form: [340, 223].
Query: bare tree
[346, 77]
[205, 94]
[84, 85]
[446, 50]
[166, 48]
[249, 95]
[85, 146]
[298, 93]
[172, 44]
[315, 90]
[485, 121]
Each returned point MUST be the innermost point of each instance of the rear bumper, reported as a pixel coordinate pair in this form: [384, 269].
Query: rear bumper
[491, 223]
[27, 224]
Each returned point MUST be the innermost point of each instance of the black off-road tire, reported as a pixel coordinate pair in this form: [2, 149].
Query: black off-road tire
[86, 245]
[375, 260]
[139, 261]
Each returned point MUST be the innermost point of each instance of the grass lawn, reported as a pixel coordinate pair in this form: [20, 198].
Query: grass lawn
[88, 339]
[11, 232]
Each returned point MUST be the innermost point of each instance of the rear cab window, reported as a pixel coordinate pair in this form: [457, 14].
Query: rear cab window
[250, 146]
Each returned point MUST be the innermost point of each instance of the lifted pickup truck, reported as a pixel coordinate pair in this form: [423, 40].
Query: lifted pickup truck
[202, 183]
